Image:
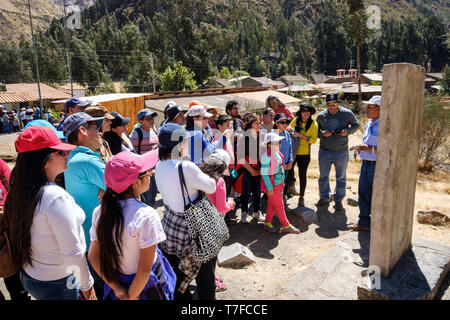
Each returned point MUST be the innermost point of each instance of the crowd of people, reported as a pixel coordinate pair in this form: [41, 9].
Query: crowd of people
[15, 121]
[79, 205]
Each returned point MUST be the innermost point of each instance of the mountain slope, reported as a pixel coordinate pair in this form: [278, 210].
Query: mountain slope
[14, 17]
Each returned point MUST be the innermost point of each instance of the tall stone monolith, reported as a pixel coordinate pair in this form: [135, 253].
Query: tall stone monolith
[397, 159]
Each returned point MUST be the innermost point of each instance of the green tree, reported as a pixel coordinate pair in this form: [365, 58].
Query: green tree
[355, 23]
[177, 79]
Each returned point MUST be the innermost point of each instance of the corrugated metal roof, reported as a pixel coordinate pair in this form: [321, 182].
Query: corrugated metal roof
[47, 92]
[16, 97]
[255, 99]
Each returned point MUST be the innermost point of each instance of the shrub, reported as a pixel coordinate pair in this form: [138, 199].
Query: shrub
[434, 145]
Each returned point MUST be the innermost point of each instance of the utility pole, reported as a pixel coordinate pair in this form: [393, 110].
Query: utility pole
[35, 58]
[153, 70]
[68, 49]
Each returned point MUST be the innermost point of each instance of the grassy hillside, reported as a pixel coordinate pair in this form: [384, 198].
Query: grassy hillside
[14, 17]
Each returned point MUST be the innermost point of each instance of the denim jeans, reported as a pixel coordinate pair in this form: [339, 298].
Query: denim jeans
[149, 196]
[340, 161]
[365, 192]
[49, 290]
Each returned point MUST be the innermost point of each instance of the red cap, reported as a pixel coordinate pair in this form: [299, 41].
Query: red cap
[40, 137]
[124, 168]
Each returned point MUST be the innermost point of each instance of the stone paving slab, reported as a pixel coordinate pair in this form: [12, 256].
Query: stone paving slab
[341, 272]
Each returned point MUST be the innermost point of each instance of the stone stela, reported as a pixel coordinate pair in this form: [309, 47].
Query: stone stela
[397, 160]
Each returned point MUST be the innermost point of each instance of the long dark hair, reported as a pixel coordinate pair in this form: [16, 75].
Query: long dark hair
[27, 181]
[109, 233]
[308, 122]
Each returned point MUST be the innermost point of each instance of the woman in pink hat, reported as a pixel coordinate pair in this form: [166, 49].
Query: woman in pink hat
[45, 223]
[125, 233]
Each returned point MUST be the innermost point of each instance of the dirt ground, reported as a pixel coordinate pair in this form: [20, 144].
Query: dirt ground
[280, 257]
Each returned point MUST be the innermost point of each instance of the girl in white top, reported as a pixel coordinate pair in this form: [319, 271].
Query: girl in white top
[45, 223]
[125, 233]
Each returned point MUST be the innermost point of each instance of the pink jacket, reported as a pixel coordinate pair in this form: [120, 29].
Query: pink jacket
[219, 198]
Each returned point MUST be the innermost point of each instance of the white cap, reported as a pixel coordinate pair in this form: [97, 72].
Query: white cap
[374, 100]
[198, 110]
[221, 155]
[272, 137]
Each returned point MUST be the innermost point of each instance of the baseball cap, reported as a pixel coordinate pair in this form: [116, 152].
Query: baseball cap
[45, 123]
[75, 120]
[198, 110]
[279, 117]
[146, 113]
[169, 105]
[173, 112]
[272, 137]
[124, 168]
[194, 103]
[374, 100]
[98, 111]
[170, 134]
[74, 101]
[40, 137]
[332, 96]
[118, 120]
[221, 155]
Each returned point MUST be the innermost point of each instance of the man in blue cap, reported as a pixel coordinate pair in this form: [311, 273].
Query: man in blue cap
[335, 124]
[145, 138]
[84, 177]
[73, 105]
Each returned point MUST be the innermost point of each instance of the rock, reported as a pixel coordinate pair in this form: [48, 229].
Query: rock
[352, 201]
[235, 255]
[432, 217]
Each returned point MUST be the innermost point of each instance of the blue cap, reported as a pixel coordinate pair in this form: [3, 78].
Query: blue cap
[74, 101]
[45, 123]
[146, 113]
[170, 134]
[75, 120]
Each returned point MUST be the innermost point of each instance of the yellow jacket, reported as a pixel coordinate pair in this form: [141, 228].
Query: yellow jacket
[312, 133]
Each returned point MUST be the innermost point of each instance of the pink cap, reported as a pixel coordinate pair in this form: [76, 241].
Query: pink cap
[124, 168]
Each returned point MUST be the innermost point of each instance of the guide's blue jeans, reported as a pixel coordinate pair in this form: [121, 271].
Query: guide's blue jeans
[365, 192]
[61, 289]
[340, 161]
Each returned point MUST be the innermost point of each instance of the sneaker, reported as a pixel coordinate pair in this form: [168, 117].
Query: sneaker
[259, 216]
[322, 202]
[269, 227]
[290, 229]
[301, 202]
[338, 206]
[220, 286]
[358, 227]
[244, 218]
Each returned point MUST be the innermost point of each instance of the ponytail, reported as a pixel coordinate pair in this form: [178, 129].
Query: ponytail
[109, 234]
